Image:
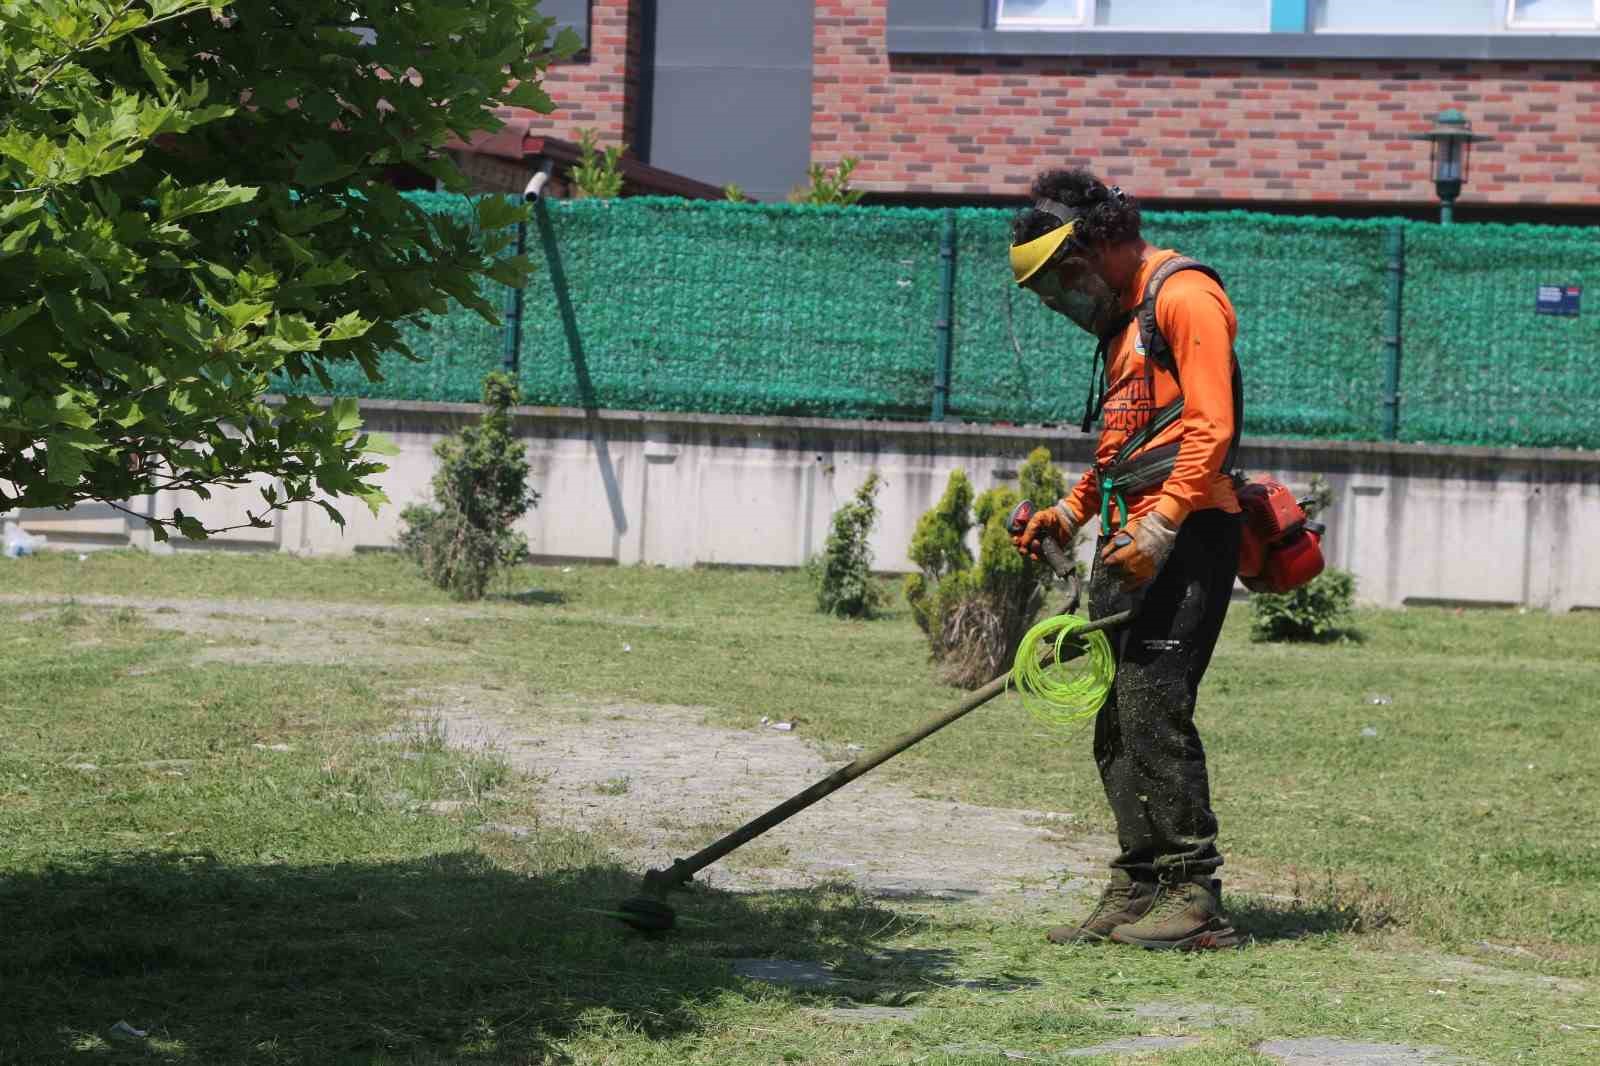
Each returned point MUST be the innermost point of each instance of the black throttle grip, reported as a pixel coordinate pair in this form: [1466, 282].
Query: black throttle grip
[1017, 524]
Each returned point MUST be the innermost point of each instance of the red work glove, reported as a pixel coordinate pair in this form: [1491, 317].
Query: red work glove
[1138, 551]
[1051, 522]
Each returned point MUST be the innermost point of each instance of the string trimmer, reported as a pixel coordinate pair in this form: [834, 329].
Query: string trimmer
[650, 912]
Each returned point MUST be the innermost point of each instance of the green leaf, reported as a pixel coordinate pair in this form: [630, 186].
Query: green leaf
[346, 414]
[292, 333]
[67, 454]
[15, 317]
[154, 69]
[190, 526]
[245, 313]
[374, 499]
[379, 444]
[332, 512]
[299, 252]
[176, 203]
[348, 327]
[319, 165]
[72, 409]
[497, 211]
[18, 239]
[335, 273]
[17, 206]
[130, 416]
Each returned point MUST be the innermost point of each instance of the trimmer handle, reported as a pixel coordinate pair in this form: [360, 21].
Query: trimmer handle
[1021, 515]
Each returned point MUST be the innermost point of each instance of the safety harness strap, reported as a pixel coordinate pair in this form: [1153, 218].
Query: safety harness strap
[1128, 471]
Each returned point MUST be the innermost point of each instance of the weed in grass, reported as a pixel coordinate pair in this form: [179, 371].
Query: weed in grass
[430, 734]
[614, 786]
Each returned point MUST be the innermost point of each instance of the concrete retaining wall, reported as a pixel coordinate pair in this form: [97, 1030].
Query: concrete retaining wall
[1414, 523]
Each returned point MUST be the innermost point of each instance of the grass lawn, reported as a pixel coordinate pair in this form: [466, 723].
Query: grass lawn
[268, 861]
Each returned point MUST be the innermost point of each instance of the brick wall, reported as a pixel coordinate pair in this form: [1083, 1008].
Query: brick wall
[1235, 129]
[601, 91]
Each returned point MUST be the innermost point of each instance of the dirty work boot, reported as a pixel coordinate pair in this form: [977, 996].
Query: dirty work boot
[1185, 916]
[1124, 900]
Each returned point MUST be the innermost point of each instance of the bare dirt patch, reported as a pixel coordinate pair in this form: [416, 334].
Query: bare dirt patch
[671, 784]
[272, 631]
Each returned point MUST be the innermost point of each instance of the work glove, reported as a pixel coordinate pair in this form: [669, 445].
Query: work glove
[1139, 550]
[1050, 522]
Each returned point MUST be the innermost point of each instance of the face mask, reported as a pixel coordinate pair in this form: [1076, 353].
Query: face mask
[1087, 300]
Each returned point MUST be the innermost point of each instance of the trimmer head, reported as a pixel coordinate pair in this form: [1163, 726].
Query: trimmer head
[647, 915]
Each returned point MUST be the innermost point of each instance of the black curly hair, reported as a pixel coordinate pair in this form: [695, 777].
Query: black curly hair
[1107, 217]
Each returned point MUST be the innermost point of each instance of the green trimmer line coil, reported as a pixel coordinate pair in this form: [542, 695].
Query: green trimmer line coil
[1063, 693]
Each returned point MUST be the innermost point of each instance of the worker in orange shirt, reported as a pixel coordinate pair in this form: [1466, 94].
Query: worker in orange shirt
[1166, 386]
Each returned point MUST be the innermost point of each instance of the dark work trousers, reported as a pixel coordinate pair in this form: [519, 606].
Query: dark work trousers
[1151, 761]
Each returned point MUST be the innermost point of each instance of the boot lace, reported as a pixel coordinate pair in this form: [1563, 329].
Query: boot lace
[1170, 900]
[1114, 897]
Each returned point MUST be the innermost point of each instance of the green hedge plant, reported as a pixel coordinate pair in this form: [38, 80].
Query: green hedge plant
[479, 491]
[975, 611]
[843, 573]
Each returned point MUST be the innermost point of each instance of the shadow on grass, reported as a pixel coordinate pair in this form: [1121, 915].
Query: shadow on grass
[1332, 636]
[1266, 921]
[446, 958]
[530, 597]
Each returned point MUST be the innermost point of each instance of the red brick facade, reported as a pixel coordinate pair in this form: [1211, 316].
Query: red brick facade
[600, 92]
[1241, 130]
[1237, 130]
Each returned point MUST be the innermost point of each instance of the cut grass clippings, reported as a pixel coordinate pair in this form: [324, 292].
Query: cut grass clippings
[229, 856]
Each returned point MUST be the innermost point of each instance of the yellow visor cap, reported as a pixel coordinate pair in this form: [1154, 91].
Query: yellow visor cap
[1028, 259]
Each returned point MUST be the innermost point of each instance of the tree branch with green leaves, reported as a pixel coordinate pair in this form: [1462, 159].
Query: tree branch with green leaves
[195, 211]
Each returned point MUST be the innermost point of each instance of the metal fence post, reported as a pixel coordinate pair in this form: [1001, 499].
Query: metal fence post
[1394, 246]
[513, 356]
[944, 333]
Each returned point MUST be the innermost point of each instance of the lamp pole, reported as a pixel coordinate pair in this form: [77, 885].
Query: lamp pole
[1450, 140]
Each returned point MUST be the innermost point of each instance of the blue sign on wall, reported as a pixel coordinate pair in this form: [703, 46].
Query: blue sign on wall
[1558, 300]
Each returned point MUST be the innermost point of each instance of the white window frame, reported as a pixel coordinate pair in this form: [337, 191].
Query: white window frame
[1512, 22]
[1083, 19]
[1089, 9]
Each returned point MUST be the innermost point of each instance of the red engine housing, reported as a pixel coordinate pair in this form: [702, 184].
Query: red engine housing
[1277, 552]
[1271, 509]
[1288, 564]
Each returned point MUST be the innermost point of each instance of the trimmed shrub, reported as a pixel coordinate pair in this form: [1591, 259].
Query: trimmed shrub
[479, 492]
[843, 573]
[976, 612]
[1317, 610]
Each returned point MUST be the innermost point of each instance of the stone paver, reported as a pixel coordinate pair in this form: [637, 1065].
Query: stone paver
[791, 972]
[1128, 1045]
[1188, 1015]
[1328, 1051]
[1131, 1045]
[866, 1014]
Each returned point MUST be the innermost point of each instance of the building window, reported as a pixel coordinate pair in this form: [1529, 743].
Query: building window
[1133, 14]
[1401, 16]
[1041, 14]
[1553, 14]
[1454, 16]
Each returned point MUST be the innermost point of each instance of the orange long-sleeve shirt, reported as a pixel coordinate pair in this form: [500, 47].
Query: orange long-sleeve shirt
[1198, 322]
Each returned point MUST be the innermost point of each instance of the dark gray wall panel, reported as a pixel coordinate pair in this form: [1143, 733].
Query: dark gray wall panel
[720, 125]
[940, 14]
[751, 33]
[730, 92]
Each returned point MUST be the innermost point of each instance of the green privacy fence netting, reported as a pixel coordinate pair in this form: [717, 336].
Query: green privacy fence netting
[673, 305]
